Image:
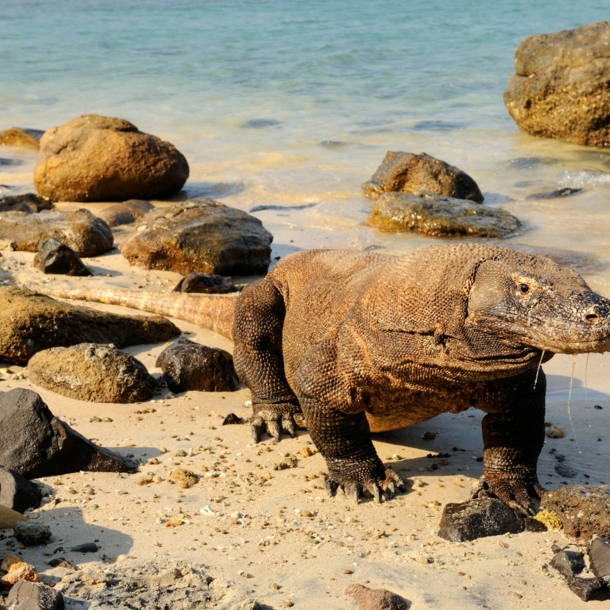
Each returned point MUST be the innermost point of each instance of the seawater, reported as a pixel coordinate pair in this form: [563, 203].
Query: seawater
[294, 103]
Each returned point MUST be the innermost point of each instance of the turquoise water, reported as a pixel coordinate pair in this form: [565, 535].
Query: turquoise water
[249, 91]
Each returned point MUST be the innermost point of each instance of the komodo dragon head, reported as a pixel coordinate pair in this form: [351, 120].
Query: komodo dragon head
[532, 300]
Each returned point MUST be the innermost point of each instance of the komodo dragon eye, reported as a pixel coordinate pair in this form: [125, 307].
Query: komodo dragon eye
[524, 288]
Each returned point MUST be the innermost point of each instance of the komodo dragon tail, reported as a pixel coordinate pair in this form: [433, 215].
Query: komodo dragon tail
[211, 311]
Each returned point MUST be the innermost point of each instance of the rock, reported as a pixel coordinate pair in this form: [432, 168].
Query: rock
[16, 136]
[206, 284]
[200, 235]
[410, 173]
[34, 596]
[28, 203]
[97, 158]
[375, 599]
[164, 584]
[8, 517]
[80, 230]
[17, 492]
[584, 510]
[569, 562]
[190, 366]
[599, 556]
[555, 432]
[184, 478]
[558, 194]
[34, 443]
[439, 216]
[53, 257]
[23, 572]
[125, 213]
[534, 525]
[565, 471]
[87, 547]
[31, 533]
[31, 322]
[478, 518]
[561, 88]
[92, 372]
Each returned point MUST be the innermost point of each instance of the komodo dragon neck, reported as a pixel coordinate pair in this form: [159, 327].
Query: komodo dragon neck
[207, 310]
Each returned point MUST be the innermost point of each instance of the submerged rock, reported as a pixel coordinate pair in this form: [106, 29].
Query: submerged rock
[561, 88]
[477, 519]
[190, 366]
[409, 173]
[15, 136]
[584, 510]
[31, 322]
[92, 372]
[439, 216]
[53, 257]
[17, 492]
[200, 235]
[375, 599]
[34, 443]
[28, 203]
[205, 283]
[80, 230]
[97, 158]
[125, 213]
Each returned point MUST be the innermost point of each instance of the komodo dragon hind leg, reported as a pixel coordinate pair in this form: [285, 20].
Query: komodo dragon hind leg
[259, 363]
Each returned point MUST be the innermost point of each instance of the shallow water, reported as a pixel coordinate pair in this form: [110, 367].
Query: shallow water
[295, 104]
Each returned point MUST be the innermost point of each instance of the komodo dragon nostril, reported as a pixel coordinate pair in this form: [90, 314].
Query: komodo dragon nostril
[591, 316]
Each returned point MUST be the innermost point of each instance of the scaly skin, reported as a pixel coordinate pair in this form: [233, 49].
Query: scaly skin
[360, 342]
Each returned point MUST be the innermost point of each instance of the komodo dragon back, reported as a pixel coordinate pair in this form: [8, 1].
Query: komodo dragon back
[211, 311]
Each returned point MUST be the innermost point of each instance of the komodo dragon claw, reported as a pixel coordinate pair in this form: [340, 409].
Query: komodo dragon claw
[273, 422]
[378, 489]
[519, 495]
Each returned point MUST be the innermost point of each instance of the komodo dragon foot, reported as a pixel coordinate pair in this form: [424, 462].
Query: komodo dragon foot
[360, 478]
[273, 419]
[518, 492]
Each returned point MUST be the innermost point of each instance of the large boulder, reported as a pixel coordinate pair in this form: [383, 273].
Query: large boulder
[439, 216]
[92, 372]
[409, 173]
[34, 443]
[80, 230]
[200, 235]
[561, 88]
[97, 158]
[125, 213]
[31, 322]
[16, 136]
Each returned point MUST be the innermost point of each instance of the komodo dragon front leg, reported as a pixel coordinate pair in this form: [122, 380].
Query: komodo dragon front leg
[513, 435]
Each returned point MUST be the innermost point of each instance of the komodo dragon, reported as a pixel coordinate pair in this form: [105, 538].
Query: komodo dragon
[359, 342]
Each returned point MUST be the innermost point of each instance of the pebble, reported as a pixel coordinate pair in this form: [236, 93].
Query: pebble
[87, 547]
[555, 432]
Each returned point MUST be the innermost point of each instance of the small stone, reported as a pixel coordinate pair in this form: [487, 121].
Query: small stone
[32, 534]
[569, 562]
[306, 452]
[598, 407]
[184, 478]
[24, 571]
[205, 283]
[555, 432]
[87, 547]
[375, 599]
[565, 471]
[285, 464]
[599, 555]
[26, 595]
[54, 257]
[429, 436]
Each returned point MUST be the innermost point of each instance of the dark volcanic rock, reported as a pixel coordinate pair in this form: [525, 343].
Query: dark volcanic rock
[21, 137]
[584, 510]
[200, 235]
[190, 366]
[17, 492]
[34, 443]
[28, 203]
[97, 158]
[409, 173]
[125, 213]
[570, 563]
[561, 88]
[439, 216]
[599, 555]
[206, 284]
[32, 533]
[558, 194]
[86, 547]
[375, 599]
[478, 518]
[92, 372]
[31, 322]
[80, 230]
[56, 258]
[26, 595]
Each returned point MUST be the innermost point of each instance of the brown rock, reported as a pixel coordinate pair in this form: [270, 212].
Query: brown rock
[28, 203]
[92, 372]
[80, 230]
[31, 322]
[24, 572]
[439, 216]
[375, 599]
[584, 510]
[200, 235]
[96, 158]
[409, 173]
[21, 137]
[204, 283]
[561, 88]
[56, 258]
[125, 213]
